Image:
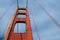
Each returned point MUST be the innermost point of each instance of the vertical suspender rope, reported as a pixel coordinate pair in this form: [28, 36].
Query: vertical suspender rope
[52, 18]
[35, 26]
[34, 22]
[17, 7]
[17, 27]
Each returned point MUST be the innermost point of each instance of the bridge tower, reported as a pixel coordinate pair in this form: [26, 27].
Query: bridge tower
[11, 35]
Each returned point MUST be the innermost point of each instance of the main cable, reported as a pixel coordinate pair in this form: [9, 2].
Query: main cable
[52, 18]
[4, 29]
[4, 14]
[6, 11]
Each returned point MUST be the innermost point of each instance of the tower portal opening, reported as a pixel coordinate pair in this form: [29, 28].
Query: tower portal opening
[20, 28]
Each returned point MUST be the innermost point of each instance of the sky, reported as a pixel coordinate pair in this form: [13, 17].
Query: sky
[47, 29]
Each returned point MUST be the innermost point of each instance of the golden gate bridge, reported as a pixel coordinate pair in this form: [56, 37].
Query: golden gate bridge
[10, 35]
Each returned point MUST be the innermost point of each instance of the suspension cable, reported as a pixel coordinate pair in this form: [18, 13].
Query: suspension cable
[4, 14]
[4, 29]
[52, 18]
[26, 3]
[17, 4]
[6, 11]
[35, 26]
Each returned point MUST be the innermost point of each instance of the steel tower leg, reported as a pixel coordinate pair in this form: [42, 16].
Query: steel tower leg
[10, 35]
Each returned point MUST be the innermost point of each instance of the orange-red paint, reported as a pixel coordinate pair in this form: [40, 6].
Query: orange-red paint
[10, 35]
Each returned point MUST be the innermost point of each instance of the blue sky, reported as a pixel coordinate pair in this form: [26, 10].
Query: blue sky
[46, 27]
